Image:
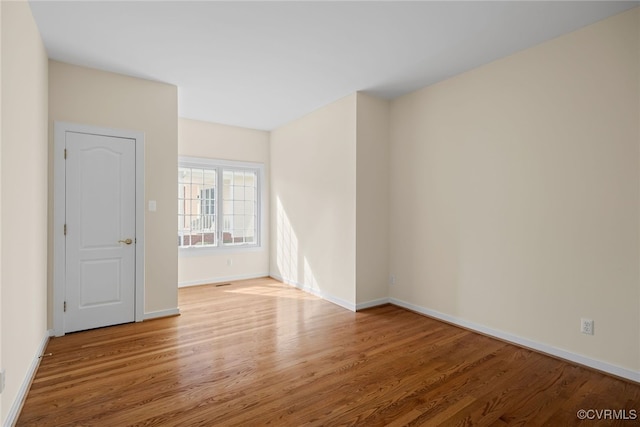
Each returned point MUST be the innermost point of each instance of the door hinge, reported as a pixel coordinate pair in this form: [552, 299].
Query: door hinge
[65, 229]
[65, 307]
[65, 153]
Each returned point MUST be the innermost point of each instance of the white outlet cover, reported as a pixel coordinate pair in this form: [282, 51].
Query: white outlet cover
[586, 326]
[152, 206]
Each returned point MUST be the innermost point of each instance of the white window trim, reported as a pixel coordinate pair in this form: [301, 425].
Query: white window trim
[220, 164]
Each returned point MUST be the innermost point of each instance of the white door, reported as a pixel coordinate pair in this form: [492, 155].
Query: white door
[100, 223]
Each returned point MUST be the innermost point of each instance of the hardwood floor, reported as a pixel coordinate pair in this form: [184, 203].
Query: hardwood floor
[259, 352]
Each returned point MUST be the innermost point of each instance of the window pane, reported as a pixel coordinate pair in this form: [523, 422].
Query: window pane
[241, 215]
[228, 181]
[238, 222]
[249, 207]
[228, 192]
[194, 191]
[197, 176]
[184, 175]
[196, 206]
[228, 207]
[209, 238]
[194, 224]
[238, 178]
[238, 193]
[207, 201]
[209, 178]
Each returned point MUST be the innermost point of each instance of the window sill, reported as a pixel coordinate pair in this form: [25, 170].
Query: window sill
[208, 251]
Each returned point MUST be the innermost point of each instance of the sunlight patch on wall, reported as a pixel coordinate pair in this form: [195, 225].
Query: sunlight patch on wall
[309, 279]
[286, 245]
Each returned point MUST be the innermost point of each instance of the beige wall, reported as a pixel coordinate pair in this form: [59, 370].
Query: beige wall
[215, 141]
[98, 98]
[372, 199]
[515, 194]
[23, 199]
[1, 364]
[313, 201]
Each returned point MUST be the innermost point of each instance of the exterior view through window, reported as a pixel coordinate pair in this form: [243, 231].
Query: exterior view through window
[218, 204]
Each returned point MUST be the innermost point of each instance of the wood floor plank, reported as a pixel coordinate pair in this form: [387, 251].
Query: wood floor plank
[258, 352]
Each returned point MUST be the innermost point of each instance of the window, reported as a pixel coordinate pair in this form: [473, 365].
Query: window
[218, 203]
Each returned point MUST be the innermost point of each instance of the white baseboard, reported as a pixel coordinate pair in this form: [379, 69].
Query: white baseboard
[524, 342]
[325, 296]
[221, 279]
[14, 411]
[161, 313]
[373, 303]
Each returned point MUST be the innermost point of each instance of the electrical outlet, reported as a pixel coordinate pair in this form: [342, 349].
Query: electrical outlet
[586, 326]
[229, 262]
[2, 378]
[392, 279]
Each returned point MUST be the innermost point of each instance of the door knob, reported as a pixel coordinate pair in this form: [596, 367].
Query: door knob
[126, 241]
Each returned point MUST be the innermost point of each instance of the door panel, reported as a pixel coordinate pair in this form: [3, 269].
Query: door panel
[100, 215]
[100, 282]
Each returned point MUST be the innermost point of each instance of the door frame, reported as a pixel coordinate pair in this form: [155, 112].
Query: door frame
[59, 209]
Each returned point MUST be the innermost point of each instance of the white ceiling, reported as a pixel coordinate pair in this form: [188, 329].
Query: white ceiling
[262, 64]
